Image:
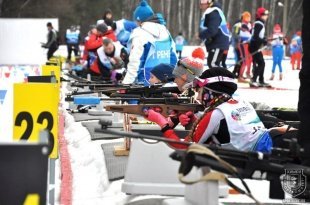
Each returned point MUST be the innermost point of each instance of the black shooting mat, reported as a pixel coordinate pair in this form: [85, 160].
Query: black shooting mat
[116, 165]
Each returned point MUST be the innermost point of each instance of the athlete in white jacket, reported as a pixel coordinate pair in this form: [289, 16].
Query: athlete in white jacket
[150, 44]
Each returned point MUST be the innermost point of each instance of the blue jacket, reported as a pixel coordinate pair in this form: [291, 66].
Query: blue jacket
[213, 28]
[123, 30]
[150, 44]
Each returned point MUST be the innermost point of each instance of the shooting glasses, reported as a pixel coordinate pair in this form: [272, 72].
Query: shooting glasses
[198, 82]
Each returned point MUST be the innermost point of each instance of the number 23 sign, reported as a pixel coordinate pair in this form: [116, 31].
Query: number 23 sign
[36, 109]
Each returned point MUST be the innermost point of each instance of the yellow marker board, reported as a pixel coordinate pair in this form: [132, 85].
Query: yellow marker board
[35, 109]
[32, 199]
[49, 69]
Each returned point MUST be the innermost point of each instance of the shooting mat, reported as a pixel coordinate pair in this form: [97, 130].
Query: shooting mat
[116, 165]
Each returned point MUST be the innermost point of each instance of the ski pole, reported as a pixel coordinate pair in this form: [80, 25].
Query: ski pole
[255, 52]
[251, 54]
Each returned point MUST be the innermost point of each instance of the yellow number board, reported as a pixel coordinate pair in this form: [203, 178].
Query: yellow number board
[49, 69]
[35, 109]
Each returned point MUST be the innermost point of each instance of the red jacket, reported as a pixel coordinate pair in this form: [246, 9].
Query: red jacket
[92, 43]
[110, 34]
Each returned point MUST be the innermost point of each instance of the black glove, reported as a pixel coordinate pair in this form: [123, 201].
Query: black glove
[118, 76]
[265, 42]
[44, 46]
[209, 40]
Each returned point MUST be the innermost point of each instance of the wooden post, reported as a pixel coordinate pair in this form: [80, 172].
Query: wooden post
[123, 150]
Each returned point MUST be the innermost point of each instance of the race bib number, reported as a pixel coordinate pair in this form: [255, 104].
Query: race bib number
[35, 109]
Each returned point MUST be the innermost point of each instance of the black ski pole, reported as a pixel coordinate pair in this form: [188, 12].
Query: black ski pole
[251, 54]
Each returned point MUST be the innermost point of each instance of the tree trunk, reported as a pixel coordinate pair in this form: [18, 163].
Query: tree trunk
[179, 16]
[168, 12]
[271, 18]
[190, 18]
[253, 9]
[230, 9]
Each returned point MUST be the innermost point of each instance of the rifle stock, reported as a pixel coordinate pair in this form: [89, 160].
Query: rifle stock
[163, 109]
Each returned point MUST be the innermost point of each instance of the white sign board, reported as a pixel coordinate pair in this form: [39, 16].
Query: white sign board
[20, 40]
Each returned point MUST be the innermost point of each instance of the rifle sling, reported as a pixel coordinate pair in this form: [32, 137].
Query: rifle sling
[199, 149]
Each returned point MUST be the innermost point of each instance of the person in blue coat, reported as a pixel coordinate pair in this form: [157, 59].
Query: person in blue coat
[277, 50]
[150, 44]
[213, 31]
[73, 39]
[179, 43]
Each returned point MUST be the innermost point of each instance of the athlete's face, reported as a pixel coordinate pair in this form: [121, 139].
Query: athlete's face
[265, 17]
[153, 80]
[204, 6]
[108, 49]
[180, 81]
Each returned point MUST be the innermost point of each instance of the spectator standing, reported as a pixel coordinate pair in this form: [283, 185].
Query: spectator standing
[213, 31]
[296, 50]
[73, 39]
[52, 43]
[277, 50]
[258, 40]
[179, 43]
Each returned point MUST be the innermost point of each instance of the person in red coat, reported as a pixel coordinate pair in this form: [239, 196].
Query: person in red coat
[92, 42]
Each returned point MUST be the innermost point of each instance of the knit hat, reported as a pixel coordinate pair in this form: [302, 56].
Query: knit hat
[222, 86]
[298, 33]
[102, 28]
[163, 72]
[261, 11]
[246, 16]
[191, 66]
[277, 28]
[143, 12]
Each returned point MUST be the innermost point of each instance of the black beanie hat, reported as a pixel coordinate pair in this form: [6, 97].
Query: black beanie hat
[102, 28]
[221, 86]
[163, 72]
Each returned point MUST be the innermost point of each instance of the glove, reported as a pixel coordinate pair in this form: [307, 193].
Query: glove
[187, 118]
[118, 76]
[156, 117]
[265, 42]
[173, 119]
[44, 46]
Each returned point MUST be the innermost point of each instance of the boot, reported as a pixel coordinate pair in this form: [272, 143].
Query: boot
[248, 76]
[281, 76]
[242, 80]
[272, 77]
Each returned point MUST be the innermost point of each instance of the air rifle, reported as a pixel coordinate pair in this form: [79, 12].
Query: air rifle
[101, 85]
[93, 79]
[273, 165]
[147, 91]
[141, 91]
[164, 108]
[286, 115]
[244, 163]
[91, 100]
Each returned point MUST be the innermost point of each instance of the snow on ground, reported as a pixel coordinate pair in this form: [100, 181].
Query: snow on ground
[286, 92]
[90, 181]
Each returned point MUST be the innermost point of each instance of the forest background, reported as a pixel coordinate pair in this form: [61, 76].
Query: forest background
[181, 15]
